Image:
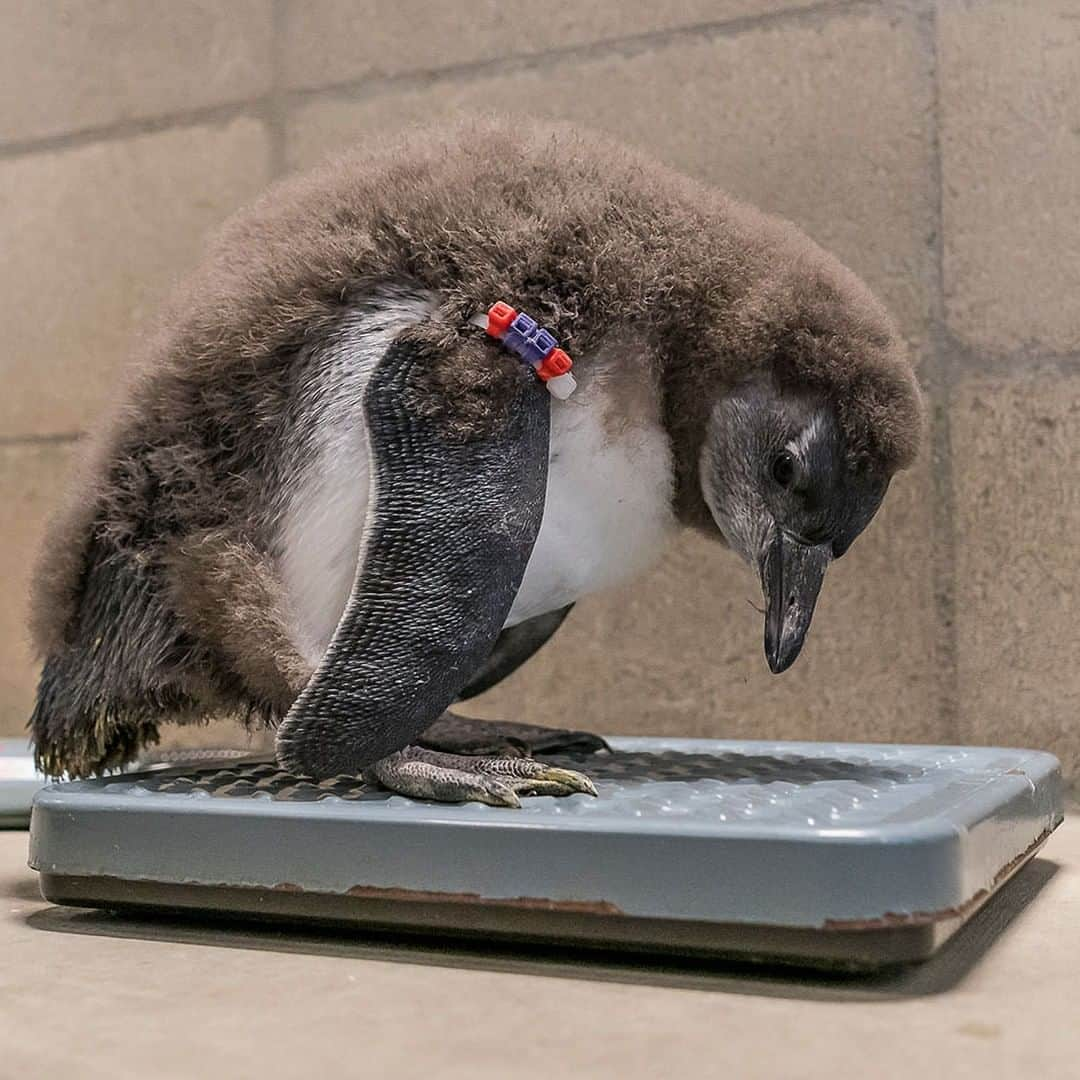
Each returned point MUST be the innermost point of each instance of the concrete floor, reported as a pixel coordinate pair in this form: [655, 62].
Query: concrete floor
[92, 995]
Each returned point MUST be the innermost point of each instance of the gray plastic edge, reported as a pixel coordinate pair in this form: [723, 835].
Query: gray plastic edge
[733, 875]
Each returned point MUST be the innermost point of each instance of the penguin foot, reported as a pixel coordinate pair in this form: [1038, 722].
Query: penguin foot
[420, 773]
[455, 734]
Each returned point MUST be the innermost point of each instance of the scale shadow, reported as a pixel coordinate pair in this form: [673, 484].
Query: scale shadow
[940, 974]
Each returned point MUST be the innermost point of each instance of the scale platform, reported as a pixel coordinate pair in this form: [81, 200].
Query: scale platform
[19, 783]
[20, 780]
[816, 853]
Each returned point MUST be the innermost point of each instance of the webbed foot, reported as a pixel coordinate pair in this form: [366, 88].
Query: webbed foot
[498, 781]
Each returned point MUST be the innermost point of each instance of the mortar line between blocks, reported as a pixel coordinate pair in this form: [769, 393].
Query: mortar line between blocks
[629, 45]
[968, 362]
[55, 438]
[276, 101]
[218, 115]
[939, 385]
[271, 106]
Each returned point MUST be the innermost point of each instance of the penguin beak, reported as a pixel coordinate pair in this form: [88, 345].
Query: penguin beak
[791, 575]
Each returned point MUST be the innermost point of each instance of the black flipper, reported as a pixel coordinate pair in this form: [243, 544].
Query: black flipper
[451, 524]
[456, 734]
[513, 648]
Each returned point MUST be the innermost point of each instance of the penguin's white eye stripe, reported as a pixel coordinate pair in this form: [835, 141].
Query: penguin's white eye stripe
[800, 445]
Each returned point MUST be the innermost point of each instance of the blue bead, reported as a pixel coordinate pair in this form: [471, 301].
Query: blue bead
[545, 340]
[528, 340]
[518, 335]
[537, 347]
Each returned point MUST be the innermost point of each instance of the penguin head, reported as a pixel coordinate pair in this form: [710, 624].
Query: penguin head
[786, 494]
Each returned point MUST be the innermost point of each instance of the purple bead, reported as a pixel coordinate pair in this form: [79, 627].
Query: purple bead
[531, 342]
[538, 346]
[519, 332]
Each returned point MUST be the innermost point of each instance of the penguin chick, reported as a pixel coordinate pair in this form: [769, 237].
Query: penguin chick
[328, 502]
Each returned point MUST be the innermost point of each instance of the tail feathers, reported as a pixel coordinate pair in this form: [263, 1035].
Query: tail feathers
[104, 690]
[76, 737]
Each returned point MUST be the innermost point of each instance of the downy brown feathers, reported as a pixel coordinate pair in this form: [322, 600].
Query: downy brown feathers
[163, 558]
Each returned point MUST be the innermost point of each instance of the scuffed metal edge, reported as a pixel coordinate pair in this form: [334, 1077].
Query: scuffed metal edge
[531, 903]
[892, 920]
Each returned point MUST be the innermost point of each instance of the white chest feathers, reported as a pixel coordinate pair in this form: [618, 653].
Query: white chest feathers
[607, 513]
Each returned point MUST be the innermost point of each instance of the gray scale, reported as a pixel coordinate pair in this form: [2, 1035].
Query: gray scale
[846, 853]
[19, 782]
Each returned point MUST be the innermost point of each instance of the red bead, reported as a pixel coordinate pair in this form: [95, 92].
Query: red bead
[554, 364]
[500, 316]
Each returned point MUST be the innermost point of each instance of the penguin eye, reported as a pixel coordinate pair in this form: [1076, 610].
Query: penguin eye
[783, 468]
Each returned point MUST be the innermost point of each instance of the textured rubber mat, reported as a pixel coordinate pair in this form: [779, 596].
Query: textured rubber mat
[835, 840]
[20, 781]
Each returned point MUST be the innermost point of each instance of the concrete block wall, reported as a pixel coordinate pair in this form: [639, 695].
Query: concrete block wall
[934, 146]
